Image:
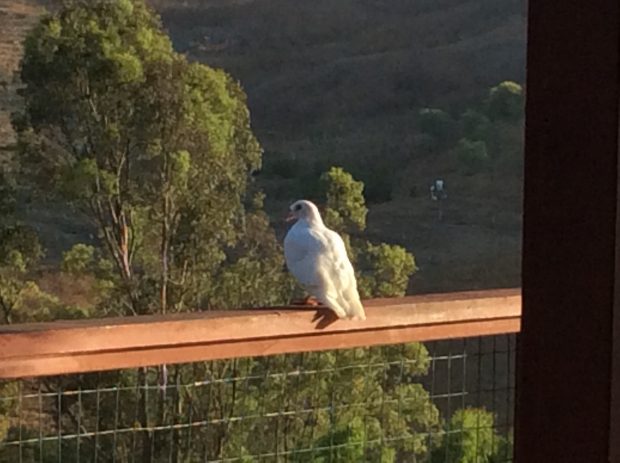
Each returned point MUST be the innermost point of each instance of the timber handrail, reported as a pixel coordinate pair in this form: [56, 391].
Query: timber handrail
[64, 347]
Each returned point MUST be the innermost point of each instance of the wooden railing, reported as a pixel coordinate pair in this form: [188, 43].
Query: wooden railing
[63, 347]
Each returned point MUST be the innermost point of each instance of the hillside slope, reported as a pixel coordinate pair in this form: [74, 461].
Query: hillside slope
[16, 18]
[341, 82]
[304, 62]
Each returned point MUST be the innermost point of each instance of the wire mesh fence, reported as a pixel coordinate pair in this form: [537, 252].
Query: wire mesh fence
[437, 402]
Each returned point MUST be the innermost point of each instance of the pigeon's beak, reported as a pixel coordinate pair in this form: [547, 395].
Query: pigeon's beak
[290, 217]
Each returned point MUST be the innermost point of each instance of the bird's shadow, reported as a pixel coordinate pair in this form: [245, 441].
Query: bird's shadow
[325, 317]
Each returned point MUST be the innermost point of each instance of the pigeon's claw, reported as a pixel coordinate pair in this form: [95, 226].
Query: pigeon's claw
[309, 300]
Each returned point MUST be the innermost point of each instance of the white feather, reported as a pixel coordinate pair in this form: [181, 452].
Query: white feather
[317, 257]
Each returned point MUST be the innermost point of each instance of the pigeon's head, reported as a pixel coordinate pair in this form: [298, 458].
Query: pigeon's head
[304, 210]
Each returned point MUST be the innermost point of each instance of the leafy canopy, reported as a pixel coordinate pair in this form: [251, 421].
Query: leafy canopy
[505, 101]
[472, 154]
[383, 270]
[470, 438]
[157, 151]
[436, 123]
[346, 208]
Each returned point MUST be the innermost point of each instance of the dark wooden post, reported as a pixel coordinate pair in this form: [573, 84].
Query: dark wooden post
[568, 390]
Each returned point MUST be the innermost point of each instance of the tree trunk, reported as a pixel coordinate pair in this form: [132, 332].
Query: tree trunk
[165, 244]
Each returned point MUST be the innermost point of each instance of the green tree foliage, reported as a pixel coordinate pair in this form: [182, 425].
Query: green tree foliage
[8, 389]
[346, 208]
[383, 270]
[392, 406]
[472, 154]
[156, 150]
[21, 299]
[475, 125]
[158, 153]
[437, 124]
[21, 242]
[79, 259]
[7, 196]
[254, 275]
[486, 135]
[470, 437]
[505, 101]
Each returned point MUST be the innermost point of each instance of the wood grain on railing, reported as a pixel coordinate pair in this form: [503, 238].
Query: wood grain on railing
[64, 347]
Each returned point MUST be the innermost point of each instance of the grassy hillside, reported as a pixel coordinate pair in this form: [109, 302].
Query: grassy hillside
[341, 82]
[309, 63]
[16, 17]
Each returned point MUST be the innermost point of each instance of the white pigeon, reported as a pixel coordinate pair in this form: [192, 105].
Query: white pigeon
[317, 257]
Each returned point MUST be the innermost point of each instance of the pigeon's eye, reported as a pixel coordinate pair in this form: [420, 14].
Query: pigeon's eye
[298, 207]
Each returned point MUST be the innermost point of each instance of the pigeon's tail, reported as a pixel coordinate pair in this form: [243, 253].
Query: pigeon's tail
[350, 298]
[334, 304]
[346, 308]
[356, 310]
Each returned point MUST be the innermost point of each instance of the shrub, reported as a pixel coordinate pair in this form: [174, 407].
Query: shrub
[475, 125]
[79, 259]
[436, 123]
[505, 101]
[385, 269]
[472, 154]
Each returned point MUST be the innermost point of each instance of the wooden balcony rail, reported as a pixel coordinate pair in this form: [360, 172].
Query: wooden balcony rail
[64, 347]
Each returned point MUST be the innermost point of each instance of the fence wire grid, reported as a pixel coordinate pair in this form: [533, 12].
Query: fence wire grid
[437, 402]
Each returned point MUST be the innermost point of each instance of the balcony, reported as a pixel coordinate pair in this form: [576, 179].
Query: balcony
[423, 379]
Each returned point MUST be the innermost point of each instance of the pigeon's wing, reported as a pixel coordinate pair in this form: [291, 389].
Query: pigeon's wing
[339, 286]
[319, 261]
[300, 252]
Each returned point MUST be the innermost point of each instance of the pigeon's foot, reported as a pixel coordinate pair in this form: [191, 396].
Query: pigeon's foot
[308, 300]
